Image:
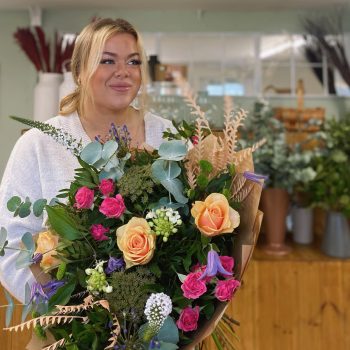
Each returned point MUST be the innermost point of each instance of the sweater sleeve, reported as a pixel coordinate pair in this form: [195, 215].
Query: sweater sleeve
[21, 178]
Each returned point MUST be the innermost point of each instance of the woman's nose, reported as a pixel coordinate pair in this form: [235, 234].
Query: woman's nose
[121, 69]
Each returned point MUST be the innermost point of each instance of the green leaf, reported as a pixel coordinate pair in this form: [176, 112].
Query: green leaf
[9, 309]
[3, 241]
[63, 224]
[28, 242]
[163, 170]
[181, 277]
[24, 259]
[24, 209]
[172, 150]
[109, 148]
[169, 333]
[91, 153]
[175, 187]
[62, 296]
[13, 203]
[38, 207]
[167, 346]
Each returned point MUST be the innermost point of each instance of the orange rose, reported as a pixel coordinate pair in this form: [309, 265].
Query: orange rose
[46, 244]
[136, 241]
[214, 216]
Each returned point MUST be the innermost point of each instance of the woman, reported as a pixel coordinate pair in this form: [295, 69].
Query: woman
[109, 68]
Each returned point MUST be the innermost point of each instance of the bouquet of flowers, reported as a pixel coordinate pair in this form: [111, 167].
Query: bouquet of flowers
[146, 247]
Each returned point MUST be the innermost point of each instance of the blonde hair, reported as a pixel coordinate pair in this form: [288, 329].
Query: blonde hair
[86, 58]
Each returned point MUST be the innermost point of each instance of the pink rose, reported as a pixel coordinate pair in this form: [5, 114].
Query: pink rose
[98, 232]
[113, 207]
[106, 187]
[192, 287]
[84, 198]
[227, 263]
[188, 319]
[224, 289]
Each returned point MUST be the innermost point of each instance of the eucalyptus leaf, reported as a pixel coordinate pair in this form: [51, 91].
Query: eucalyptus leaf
[38, 207]
[28, 242]
[24, 259]
[9, 309]
[165, 170]
[109, 148]
[24, 209]
[25, 311]
[112, 163]
[53, 201]
[175, 187]
[3, 238]
[27, 293]
[167, 346]
[172, 150]
[13, 203]
[114, 174]
[169, 333]
[91, 153]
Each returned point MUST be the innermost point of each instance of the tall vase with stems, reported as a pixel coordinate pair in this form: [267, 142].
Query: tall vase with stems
[46, 96]
[275, 205]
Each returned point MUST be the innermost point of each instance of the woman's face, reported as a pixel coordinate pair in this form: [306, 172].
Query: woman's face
[118, 77]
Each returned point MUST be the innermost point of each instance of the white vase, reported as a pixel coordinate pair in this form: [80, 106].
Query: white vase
[302, 220]
[46, 98]
[67, 86]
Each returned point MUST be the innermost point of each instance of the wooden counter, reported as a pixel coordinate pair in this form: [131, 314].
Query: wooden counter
[297, 302]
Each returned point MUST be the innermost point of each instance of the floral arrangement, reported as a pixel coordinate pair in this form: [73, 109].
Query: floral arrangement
[146, 247]
[33, 42]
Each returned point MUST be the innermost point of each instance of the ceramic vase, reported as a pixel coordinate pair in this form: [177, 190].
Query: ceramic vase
[275, 205]
[302, 225]
[336, 238]
[67, 86]
[46, 96]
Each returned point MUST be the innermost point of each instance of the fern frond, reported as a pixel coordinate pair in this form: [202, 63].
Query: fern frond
[45, 321]
[115, 332]
[237, 184]
[56, 345]
[243, 194]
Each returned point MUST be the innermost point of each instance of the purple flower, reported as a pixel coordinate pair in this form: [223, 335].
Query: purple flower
[36, 259]
[42, 293]
[214, 266]
[37, 294]
[52, 286]
[254, 177]
[114, 264]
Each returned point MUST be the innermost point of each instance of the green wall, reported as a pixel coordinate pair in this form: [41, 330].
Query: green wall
[18, 77]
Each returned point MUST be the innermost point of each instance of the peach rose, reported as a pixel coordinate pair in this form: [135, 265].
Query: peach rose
[46, 244]
[137, 242]
[214, 216]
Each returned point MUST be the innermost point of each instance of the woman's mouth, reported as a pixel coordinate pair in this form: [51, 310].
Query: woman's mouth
[122, 87]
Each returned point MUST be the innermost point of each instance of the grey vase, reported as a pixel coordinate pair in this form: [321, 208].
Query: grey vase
[336, 238]
[302, 219]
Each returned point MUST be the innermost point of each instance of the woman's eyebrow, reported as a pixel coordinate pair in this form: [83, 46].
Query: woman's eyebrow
[115, 55]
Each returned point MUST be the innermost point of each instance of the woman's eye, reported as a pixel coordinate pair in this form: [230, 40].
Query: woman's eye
[134, 62]
[107, 61]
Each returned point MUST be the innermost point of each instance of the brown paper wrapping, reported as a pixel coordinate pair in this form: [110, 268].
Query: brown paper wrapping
[247, 234]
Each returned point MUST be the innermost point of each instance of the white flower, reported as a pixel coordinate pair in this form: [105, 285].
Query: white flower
[158, 308]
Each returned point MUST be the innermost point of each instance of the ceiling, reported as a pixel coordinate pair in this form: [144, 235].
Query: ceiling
[183, 5]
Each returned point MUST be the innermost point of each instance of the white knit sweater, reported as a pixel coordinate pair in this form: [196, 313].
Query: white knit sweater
[38, 168]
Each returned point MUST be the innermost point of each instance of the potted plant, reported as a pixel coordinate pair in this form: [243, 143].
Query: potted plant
[272, 160]
[331, 187]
